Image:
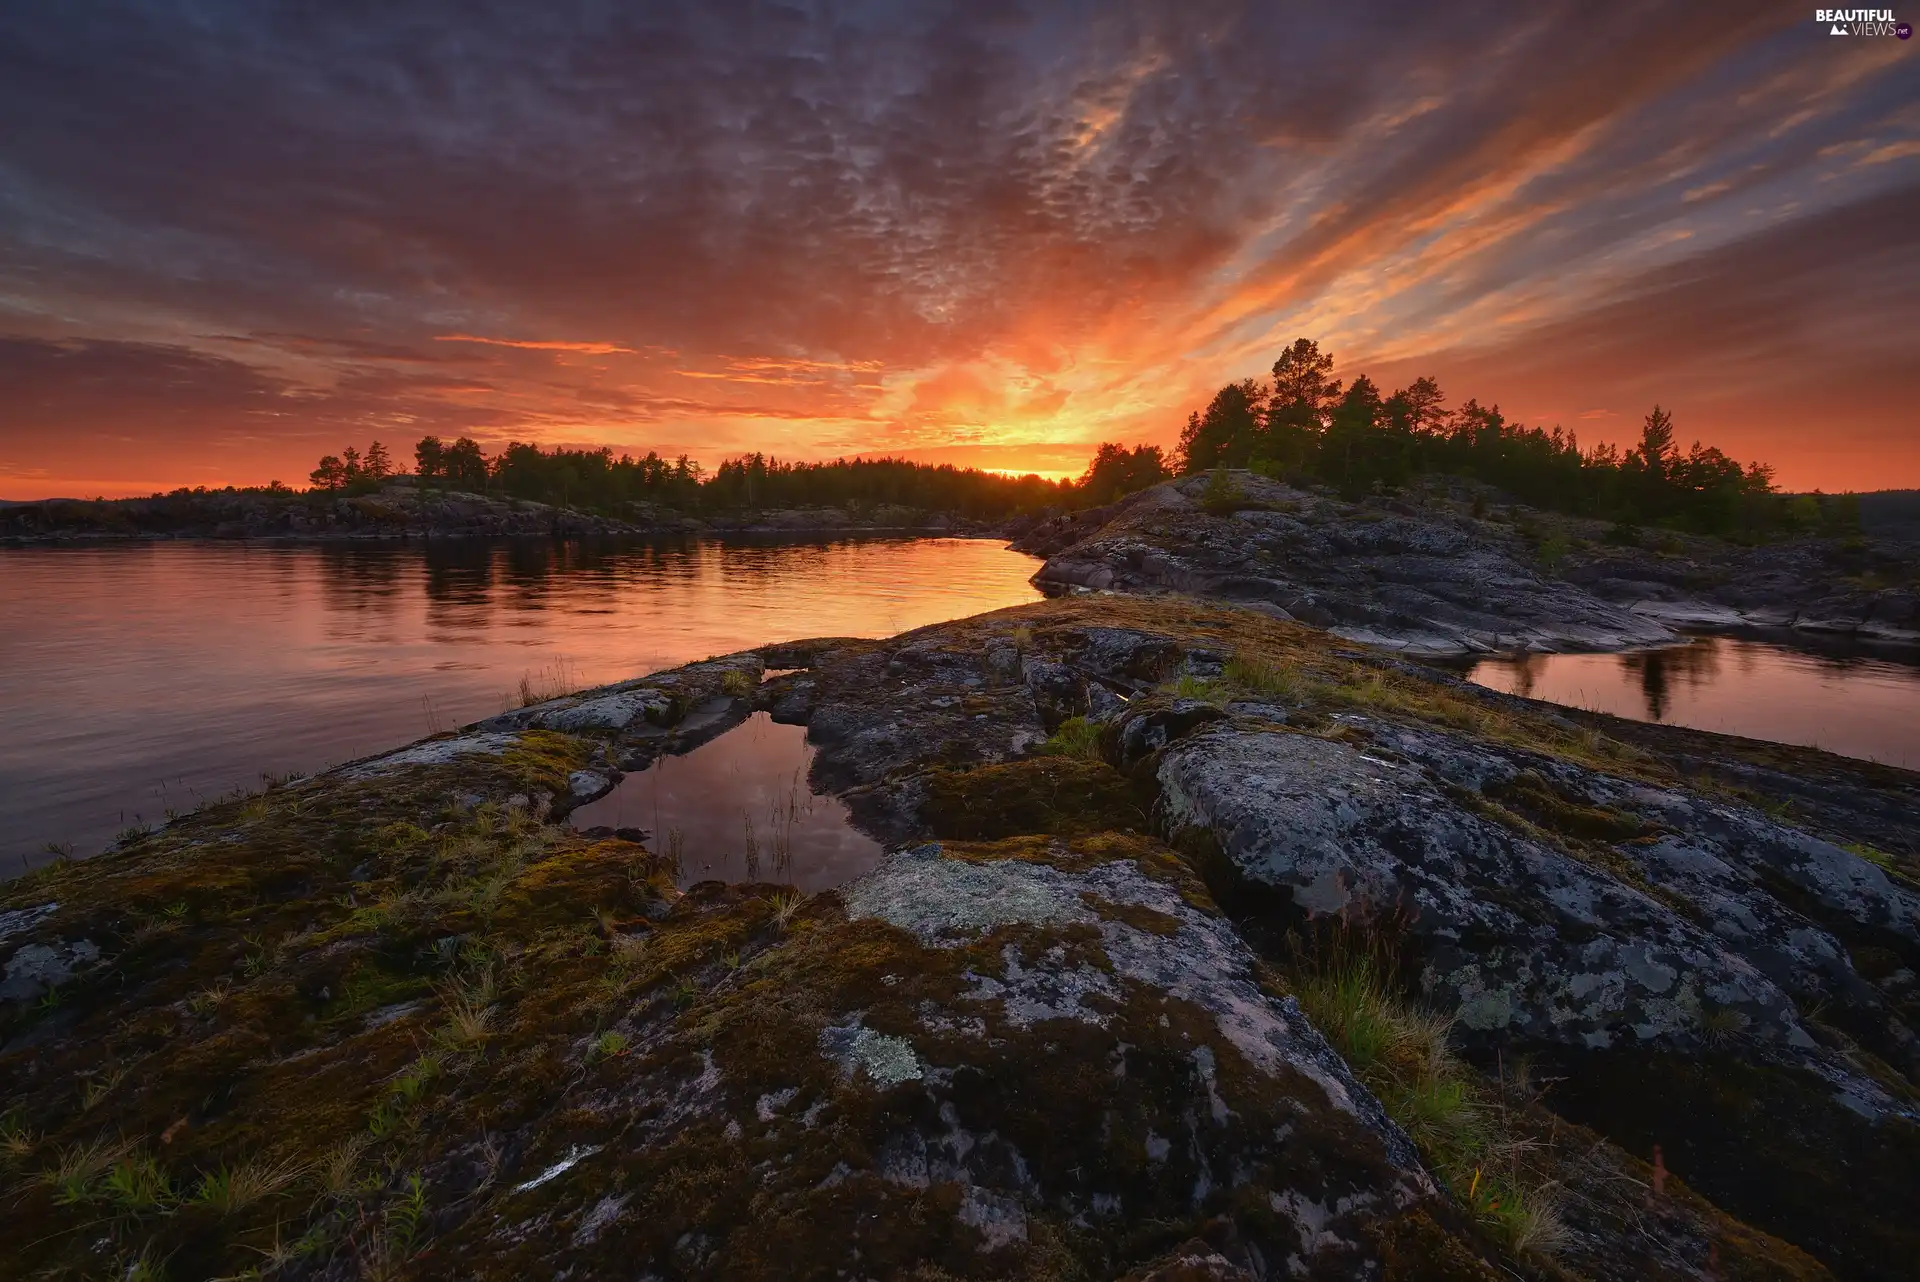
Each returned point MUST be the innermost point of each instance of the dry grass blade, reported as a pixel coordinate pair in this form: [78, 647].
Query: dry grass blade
[787, 906]
[233, 1189]
[469, 1022]
[339, 1172]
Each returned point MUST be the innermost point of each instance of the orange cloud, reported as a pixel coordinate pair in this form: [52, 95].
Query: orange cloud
[554, 345]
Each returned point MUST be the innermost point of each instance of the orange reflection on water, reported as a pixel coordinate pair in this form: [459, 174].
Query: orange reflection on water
[148, 677]
[1856, 705]
[738, 809]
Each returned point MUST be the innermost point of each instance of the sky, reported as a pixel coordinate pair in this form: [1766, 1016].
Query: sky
[238, 234]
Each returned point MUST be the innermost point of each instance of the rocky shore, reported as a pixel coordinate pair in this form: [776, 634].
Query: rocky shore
[401, 511]
[1433, 573]
[1207, 946]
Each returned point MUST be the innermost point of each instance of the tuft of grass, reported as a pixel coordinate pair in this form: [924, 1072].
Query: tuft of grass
[16, 1142]
[1188, 686]
[137, 1184]
[469, 1014]
[338, 1174]
[233, 1189]
[1461, 1127]
[608, 1045]
[1076, 737]
[1266, 680]
[412, 1084]
[551, 682]
[78, 1165]
[737, 684]
[404, 1217]
[99, 1087]
[787, 906]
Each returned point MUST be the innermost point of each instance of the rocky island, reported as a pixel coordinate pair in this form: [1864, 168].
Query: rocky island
[1438, 569]
[1209, 945]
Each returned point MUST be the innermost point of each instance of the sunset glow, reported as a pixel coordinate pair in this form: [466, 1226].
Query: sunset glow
[234, 241]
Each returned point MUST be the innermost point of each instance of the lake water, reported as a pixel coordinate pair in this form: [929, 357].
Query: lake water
[138, 679]
[737, 809]
[1857, 704]
[141, 679]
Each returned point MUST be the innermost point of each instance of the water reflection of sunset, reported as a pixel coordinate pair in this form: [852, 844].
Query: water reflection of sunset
[254, 658]
[1858, 705]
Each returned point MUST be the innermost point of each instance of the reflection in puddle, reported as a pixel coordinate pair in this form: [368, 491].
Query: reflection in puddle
[738, 809]
[1851, 704]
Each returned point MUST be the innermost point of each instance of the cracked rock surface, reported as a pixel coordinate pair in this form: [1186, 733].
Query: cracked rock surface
[1062, 1030]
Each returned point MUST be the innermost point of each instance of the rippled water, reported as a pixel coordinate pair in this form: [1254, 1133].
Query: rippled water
[142, 678]
[737, 809]
[1859, 705]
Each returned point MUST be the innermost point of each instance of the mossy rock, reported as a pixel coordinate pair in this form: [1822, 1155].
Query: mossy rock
[1062, 796]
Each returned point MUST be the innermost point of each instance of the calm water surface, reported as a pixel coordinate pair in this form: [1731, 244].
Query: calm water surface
[1859, 705]
[140, 679]
[737, 809]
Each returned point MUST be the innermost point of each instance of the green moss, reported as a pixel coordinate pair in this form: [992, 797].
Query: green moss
[1550, 807]
[1046, 794]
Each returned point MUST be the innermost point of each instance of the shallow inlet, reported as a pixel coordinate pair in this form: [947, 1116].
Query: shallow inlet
[737, 808]
[1857, 703]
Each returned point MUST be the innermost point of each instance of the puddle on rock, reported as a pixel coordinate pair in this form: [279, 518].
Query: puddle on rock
[738, 809]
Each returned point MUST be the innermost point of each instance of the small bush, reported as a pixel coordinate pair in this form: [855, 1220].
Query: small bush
[1223, 495]
[608, 1045]
[1553, 551]
[737, 684]
[1076, 737]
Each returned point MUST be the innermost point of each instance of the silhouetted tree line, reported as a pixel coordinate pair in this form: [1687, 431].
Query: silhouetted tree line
[596, 479]
[348, 468]
[1306, 426]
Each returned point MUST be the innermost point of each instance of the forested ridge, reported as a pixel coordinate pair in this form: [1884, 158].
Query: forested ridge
[1301, 425]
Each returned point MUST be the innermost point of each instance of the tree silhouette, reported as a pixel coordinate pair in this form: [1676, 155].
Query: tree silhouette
[1224, 436]
[331, 474]
[1302, 377]
[1117, 470]
[1305, 428]
[377, 466]
[1656, 442]
[429, 459]
[464, 465]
